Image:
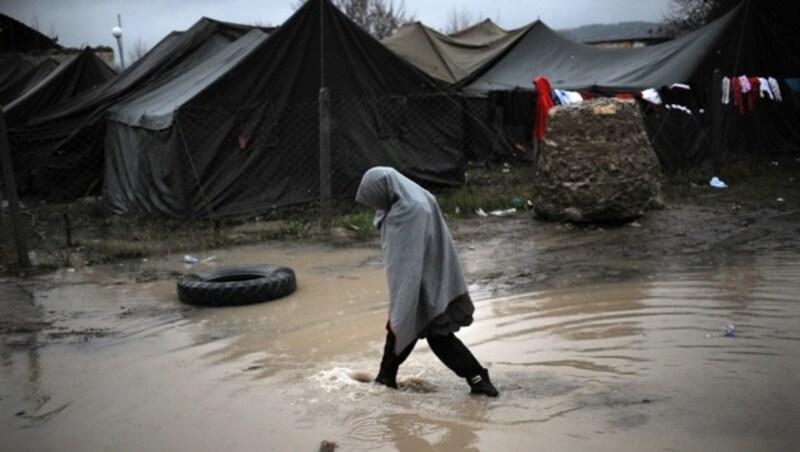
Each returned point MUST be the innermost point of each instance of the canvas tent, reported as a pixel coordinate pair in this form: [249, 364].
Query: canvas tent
[455, 58]
[143, 137]
[570, 65]
[480, 33]
[82, 73]
[58, 153]
[249, 139]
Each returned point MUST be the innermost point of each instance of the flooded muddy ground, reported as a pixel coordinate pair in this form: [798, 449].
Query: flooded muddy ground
[678, 331]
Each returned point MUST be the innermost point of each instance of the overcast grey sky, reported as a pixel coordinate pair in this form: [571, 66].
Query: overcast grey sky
[80, 22]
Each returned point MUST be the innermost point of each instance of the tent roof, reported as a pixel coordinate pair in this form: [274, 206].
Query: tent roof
[296, 62]
[176, 53]
[742, 41]
[154, 108]
[480, 33]
[574, 66]
[451, 58]
[83, 72]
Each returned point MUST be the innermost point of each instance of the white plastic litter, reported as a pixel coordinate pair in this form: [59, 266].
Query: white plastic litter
[716, 183]
[503, 213]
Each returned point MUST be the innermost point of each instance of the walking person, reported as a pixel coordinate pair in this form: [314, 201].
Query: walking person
[428, 295]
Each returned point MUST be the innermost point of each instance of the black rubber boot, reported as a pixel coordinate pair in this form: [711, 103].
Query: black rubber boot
[387, 377]
[480, 384]
[390, 363]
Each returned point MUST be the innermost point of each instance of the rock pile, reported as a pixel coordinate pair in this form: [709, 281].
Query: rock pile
[596, 164]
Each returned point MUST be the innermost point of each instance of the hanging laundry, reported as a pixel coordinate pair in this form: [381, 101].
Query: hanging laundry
[726, 90]
[560, 97]
[651, 95]
[745, 82]
[682, 108]
[543, 105]
[574, 97]
[736, 90]
[753, 94]
[764, 88]
[678, 96]
[776, 89]
[563, 97]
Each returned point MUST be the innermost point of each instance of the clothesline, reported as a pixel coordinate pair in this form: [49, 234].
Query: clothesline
[743, 89]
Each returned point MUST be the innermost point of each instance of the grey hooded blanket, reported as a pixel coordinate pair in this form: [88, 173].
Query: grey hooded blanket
[427, 291]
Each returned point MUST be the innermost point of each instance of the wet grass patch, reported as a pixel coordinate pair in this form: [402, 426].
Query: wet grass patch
[85, 232]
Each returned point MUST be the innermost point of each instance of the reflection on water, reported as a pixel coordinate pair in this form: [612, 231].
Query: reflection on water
[631, 364]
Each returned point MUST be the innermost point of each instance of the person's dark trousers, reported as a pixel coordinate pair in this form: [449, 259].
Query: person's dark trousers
[449, 349]
[455, 355]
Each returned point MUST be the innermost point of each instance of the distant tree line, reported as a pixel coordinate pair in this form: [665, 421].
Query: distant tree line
[380, 18]
[685, 16]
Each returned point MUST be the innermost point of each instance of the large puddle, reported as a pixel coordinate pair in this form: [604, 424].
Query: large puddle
[695, 354]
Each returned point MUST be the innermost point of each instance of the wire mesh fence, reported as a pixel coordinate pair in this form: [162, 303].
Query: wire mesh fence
[213, 163]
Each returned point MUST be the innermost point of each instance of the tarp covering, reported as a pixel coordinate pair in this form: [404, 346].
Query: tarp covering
[570, 65]
[249, 140]
[58, 153]
[451, 58]
[480, 33]
[295, 64]
[82, 73]
[153, 107]
[174, 54]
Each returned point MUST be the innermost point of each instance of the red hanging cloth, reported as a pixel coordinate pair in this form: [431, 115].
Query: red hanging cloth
[544, 102]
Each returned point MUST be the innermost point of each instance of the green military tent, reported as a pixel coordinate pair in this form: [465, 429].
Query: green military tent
[82, 73]
[454, 58]
[243, 136]
[58, 152]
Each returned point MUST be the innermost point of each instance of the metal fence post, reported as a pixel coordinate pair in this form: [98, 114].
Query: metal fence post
[11, 194]
[325, 156]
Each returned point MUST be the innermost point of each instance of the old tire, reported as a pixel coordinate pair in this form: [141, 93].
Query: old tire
[237, 285]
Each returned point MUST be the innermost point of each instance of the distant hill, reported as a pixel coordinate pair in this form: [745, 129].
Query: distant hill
[614, 32]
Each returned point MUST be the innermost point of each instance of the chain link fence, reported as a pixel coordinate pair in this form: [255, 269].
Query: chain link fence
[235, 163]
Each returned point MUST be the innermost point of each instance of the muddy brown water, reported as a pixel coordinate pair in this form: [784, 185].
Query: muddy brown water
[641, 363]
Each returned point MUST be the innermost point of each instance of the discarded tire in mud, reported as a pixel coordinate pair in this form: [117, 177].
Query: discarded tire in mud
[237, 285]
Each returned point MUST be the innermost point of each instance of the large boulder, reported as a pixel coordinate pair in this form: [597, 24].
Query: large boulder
[596, 164]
